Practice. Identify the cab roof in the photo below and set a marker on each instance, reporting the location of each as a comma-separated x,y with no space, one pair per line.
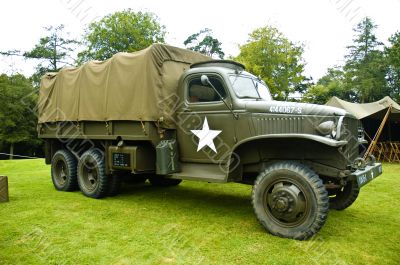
220,63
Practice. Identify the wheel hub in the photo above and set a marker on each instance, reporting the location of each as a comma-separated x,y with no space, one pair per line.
60,175
281,204
90,177
286,202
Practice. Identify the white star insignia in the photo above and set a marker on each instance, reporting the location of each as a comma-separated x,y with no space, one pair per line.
206,136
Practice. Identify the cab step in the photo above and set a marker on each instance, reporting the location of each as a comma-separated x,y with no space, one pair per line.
201,172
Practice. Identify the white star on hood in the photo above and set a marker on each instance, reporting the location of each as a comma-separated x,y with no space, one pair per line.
206,136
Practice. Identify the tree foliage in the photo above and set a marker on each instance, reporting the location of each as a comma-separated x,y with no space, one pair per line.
53,52
205,43
123,31
365,65
393,59
332,84
368,74
276,59
54,49
17,111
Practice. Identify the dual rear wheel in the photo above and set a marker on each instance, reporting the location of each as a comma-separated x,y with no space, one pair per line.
88,173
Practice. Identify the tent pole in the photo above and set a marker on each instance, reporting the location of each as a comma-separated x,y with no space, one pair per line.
377,134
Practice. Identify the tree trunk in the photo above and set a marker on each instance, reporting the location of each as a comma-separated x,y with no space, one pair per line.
11,151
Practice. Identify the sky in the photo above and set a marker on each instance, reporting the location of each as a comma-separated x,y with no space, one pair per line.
323,26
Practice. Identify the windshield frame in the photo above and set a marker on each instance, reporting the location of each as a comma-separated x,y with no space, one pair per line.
256,83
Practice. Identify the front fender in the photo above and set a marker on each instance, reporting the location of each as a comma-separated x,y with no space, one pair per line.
236,154
317,138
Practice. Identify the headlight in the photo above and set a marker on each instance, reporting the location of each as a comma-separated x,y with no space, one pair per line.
327,128
340,128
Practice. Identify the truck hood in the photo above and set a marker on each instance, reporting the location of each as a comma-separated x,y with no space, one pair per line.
293,108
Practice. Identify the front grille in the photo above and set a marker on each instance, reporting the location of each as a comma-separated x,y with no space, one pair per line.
350,134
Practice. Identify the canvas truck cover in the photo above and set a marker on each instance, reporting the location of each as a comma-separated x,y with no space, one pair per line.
139,86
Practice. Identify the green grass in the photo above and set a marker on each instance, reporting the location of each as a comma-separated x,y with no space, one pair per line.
194,223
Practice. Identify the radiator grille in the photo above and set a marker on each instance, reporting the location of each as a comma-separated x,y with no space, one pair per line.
350,134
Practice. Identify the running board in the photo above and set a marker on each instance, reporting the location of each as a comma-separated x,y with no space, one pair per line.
200,172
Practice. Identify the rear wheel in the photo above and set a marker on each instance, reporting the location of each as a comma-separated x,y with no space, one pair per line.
92,179
290,200
63,171
345,196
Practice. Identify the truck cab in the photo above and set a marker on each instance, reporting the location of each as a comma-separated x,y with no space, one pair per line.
238,105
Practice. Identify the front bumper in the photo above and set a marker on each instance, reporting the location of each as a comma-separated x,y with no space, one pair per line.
370,172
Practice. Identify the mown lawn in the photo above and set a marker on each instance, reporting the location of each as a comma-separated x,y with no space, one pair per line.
194,223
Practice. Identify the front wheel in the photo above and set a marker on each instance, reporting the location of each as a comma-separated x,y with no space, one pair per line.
290,200
345,196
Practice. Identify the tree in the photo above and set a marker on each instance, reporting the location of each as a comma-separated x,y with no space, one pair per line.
17,111
277,60
317,94
393,57
331,84
123,31
205,43
53,51
366,66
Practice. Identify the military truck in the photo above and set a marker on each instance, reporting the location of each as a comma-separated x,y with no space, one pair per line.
166,114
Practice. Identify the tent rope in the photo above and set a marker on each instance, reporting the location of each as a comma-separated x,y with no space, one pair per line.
22,156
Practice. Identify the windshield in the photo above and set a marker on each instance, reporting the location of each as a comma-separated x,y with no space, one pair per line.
247,87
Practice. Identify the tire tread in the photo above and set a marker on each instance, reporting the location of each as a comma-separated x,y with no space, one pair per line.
71,163
103,187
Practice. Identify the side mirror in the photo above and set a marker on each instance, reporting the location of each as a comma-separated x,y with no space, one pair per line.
204,80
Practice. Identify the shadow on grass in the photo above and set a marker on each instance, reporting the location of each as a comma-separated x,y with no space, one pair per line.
211,198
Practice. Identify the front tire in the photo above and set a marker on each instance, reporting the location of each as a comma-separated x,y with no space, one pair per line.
344,197
290,200
92,179
63,171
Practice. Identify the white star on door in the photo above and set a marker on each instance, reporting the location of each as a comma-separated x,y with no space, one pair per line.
206,136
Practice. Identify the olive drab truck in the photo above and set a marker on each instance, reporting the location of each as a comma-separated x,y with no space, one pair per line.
166,114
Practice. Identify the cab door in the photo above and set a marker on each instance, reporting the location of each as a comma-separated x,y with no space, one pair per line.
205,127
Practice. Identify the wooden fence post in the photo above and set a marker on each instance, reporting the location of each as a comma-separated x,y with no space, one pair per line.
3,189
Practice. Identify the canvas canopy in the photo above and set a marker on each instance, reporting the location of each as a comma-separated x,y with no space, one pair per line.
375,109
139,86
